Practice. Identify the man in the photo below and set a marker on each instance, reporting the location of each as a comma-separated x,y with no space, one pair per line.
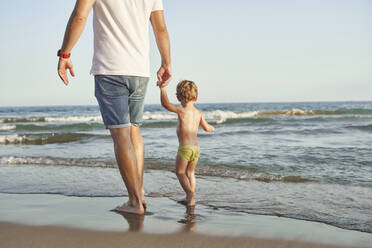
121,70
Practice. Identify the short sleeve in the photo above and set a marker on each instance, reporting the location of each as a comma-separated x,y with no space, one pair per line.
157,5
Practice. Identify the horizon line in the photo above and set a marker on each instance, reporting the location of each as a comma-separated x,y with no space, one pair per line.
64,105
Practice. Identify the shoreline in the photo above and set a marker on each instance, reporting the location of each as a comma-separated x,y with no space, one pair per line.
37,215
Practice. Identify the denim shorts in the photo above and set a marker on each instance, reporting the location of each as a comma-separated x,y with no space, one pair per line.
120,99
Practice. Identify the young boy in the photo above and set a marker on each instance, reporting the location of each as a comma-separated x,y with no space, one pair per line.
189,119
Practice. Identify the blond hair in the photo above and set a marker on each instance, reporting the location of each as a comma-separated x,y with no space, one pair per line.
187,91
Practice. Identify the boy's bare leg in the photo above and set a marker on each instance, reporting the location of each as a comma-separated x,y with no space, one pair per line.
190,172
127,164
181,166
139,149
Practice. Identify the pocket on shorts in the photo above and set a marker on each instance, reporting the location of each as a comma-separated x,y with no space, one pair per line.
110,85
139,88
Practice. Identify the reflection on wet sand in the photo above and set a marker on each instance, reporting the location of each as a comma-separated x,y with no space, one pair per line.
135,221
189,220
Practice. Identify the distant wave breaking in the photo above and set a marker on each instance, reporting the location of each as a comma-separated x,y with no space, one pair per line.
45,138
219,116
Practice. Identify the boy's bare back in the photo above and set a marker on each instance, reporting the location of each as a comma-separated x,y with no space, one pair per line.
189,119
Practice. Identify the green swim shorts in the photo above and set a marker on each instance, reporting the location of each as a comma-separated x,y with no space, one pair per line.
189,153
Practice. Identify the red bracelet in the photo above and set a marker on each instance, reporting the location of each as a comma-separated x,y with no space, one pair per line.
63,55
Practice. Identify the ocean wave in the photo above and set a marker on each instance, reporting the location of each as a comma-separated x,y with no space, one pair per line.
215,116
52,119
159,115
220,116
159,124
21,119
239,173
52,161
336,118
56,127
361,127
44,138
96,118
7,127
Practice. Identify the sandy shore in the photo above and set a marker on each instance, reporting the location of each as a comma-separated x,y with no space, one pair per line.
33,220
16,235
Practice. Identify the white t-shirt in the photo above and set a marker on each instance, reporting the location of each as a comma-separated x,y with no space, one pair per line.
121,36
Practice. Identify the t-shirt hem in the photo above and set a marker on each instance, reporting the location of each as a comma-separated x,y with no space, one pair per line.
138,74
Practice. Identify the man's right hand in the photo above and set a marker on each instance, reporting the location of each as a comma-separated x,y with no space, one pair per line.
63,66
164,76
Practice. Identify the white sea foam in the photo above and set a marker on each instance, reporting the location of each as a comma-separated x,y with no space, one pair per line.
159,116
9,127
217,116
12,139
220,116
74,119
291,112
11,160
362,116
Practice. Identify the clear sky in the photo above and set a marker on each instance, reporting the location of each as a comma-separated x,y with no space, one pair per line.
236,51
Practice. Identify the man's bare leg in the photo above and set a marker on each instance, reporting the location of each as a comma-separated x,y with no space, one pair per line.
127,164
139,149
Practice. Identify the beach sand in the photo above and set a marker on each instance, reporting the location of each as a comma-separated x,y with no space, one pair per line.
15,235
33,220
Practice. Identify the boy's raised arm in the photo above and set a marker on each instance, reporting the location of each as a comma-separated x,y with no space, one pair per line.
205,125
165,102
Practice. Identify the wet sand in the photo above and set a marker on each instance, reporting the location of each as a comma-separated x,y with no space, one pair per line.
34,220
16,235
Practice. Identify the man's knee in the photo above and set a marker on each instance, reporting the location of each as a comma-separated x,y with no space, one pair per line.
136,136
135,130
120,135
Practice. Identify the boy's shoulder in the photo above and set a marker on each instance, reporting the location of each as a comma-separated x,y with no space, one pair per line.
193,110
198,112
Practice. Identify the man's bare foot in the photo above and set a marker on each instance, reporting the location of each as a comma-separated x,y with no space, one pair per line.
144,204
129,208
190,199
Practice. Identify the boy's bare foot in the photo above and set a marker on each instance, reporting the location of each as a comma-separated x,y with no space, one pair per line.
182,201
190,199
129,208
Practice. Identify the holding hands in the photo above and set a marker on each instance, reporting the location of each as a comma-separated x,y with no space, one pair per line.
164,76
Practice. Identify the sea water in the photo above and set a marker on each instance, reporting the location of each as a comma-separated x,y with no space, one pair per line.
310,160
